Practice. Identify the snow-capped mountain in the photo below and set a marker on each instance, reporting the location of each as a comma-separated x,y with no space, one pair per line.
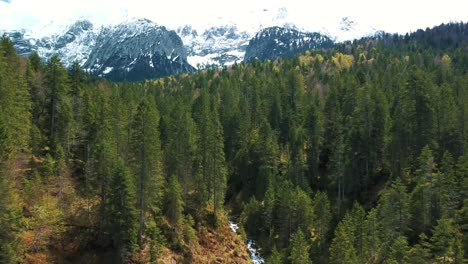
133,50
349,29
215,46
75,43
275,42
137,49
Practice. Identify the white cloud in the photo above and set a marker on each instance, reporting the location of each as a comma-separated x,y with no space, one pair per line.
393,16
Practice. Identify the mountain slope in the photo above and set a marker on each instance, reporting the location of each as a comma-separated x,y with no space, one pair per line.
216,46
137,50
275,42
130,51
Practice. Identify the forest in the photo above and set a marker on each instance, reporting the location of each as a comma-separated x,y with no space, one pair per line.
353,154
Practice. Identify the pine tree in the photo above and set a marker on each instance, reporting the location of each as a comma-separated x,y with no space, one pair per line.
442,239
145,160
422,197
77,134
342,247
322,218
267,151
420,253
446,190
413,120
313,124
269,203
59,106
445,114
294,211
217,159
174,203
275,257
367,139
398,251
299,249
123,214
10,212
15,101
371,240
179,151
211,151
394,211
358,217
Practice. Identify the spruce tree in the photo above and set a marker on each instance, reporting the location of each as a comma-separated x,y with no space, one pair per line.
422,197
322,219
59,106
123,214
174,203
394,211
342,247
299,249
398,251
145,161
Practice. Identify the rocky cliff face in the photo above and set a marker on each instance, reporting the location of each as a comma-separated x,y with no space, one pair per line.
275,42
131,51
137,50
214,47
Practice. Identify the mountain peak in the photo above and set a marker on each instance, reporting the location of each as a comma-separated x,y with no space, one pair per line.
347,24
274,42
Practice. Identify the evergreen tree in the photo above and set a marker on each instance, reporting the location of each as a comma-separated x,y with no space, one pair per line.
413,120
180,147
59,106
123,212
299,249
294,211
394,211
371,240
77,79
445,113
218,162
267,151
322,218
446,189
342,247
174,203
313,125
420,253
211,151
145,160
422,197
398,251
443,239
368,139
275,257
15,101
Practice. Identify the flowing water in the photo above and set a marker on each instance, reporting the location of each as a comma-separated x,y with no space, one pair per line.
251,246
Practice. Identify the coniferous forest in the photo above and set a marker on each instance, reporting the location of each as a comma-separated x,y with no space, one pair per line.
354,154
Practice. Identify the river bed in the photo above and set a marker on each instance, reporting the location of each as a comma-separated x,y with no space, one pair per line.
251,246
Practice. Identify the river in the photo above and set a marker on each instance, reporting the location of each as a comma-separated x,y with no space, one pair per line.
251,246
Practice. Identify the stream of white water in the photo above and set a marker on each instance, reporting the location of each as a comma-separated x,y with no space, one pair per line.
251,246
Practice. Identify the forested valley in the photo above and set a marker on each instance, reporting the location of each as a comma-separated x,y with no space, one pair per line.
354,154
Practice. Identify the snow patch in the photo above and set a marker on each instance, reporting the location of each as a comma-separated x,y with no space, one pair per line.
107,70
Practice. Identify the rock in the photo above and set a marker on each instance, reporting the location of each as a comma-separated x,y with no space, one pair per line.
275,42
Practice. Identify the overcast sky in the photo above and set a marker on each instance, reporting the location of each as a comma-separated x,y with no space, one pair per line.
392,16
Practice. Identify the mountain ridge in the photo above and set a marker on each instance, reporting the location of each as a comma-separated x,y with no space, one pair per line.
275,42
138,49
